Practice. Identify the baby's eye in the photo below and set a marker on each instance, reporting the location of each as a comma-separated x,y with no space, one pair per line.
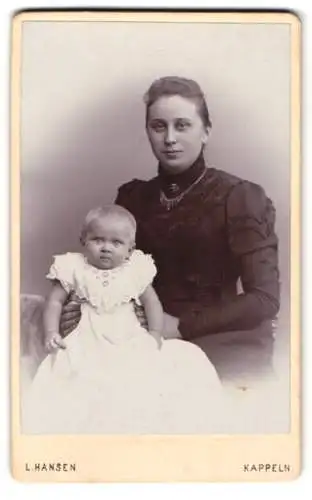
117,243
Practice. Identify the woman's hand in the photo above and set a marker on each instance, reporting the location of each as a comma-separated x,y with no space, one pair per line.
171,327
70,317
54,341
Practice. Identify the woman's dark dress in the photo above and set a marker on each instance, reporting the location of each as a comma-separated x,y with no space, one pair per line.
222,230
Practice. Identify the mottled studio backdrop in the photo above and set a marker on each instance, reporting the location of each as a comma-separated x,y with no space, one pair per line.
83,119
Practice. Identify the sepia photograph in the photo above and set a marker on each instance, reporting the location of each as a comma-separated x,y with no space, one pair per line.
155,190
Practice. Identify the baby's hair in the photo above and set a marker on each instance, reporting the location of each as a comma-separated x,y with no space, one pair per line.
107,211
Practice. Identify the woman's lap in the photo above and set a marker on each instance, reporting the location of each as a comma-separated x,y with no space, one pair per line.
240,356
187,365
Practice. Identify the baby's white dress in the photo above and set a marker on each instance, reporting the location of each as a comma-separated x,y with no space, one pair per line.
112,377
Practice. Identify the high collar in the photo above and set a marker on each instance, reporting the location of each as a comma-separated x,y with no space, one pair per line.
174,184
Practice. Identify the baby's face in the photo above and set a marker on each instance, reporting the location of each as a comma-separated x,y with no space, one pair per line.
109,242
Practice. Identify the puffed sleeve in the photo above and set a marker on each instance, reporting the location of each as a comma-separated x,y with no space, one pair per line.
252,239
250,220
143,271
62,270
132,196
127,195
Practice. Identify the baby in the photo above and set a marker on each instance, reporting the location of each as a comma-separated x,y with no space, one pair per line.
108,242
111,375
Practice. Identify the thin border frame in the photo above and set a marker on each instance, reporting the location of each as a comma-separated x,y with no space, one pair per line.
156,458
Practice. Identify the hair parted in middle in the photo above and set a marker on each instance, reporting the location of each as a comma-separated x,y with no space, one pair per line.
184,87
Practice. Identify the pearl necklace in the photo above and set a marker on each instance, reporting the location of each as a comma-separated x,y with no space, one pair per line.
170,203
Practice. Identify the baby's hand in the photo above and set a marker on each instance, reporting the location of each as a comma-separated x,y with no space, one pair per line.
157,336
54,341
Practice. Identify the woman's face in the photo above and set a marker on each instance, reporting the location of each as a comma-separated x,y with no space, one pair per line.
176,132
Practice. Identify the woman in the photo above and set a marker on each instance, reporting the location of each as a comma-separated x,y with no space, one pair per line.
206,229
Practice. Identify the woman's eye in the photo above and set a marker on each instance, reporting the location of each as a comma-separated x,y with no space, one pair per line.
182,125
158,126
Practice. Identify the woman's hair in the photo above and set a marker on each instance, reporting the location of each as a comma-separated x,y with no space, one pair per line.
184,87
99,213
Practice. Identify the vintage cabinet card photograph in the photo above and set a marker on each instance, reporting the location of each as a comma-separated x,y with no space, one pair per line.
155,240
